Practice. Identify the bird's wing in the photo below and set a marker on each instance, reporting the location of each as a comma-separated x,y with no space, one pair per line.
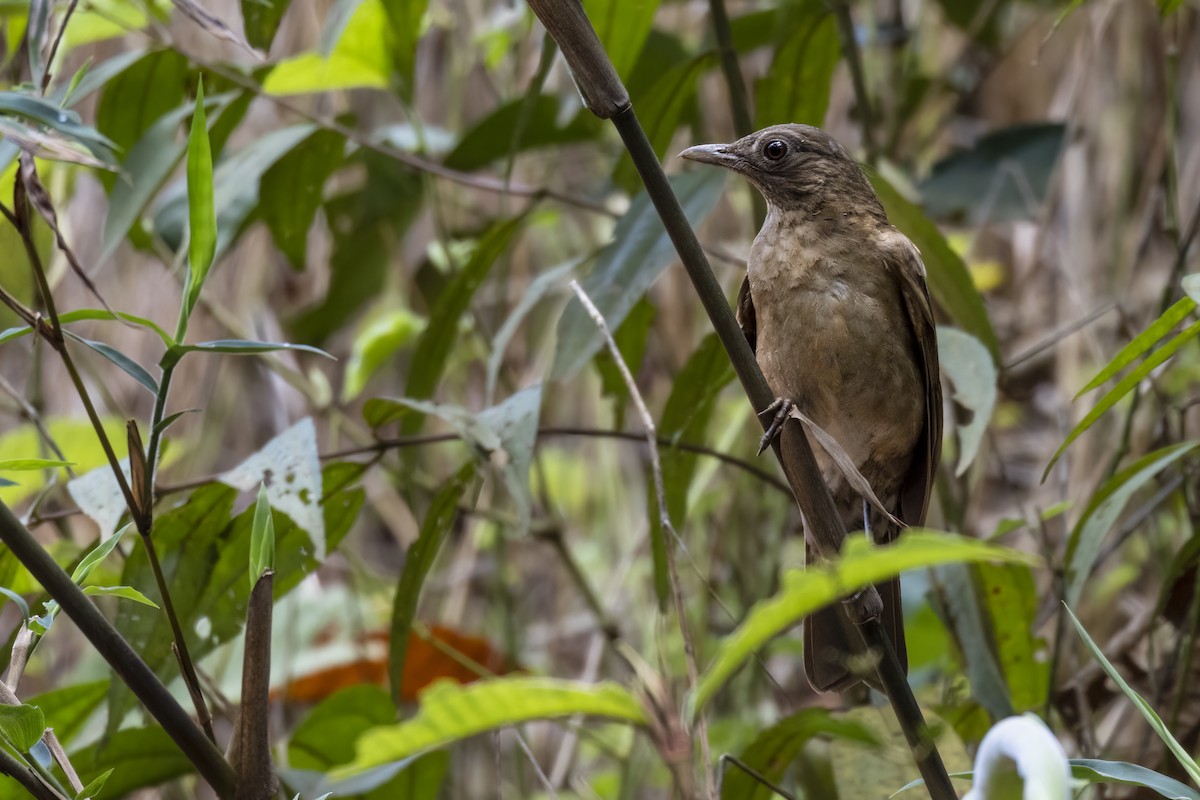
905,260
745,313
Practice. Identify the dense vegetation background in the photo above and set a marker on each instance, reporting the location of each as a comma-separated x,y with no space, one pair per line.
464,488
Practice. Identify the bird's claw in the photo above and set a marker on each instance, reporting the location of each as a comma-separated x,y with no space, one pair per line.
782,409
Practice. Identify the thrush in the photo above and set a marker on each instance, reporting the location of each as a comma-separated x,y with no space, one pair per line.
835,306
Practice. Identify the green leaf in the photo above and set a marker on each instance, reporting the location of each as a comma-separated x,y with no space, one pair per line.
631,338
99,75
374,344
262,538
968,365
22,726
126,592
18,600
1142,342
61,120
949,281
806,590
661,110
361,58
439,337
260,20
450,713
134,758
417,563
514,422
90,314
1105,507
774,750
69,708
325,737
491,138
97,554
202,215
291,190
244,347
127,364
1123,387
26,464
626,268
1010,596
960,603
405,18
622,26
1094,770
1003,177
796,87
138,96
1185,760
94,788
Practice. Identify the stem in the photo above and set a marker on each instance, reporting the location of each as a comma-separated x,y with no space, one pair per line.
866,118
27,777
120,656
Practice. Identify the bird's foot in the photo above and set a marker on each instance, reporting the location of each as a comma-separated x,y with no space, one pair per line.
782,409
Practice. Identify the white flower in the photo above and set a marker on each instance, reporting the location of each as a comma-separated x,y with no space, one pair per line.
1019,759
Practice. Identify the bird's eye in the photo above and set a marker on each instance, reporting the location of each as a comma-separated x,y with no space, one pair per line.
775,150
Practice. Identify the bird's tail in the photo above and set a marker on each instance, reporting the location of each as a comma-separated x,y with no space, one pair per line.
834,651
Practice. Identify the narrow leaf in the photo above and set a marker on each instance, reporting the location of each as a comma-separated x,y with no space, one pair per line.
246,347
1094,770
1185,760
262,538
1142,342
417,563
970,368
127,364
126,592
24,464
202,215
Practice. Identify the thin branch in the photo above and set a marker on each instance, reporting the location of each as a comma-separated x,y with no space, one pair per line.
866,117
62,28
28,778
664,519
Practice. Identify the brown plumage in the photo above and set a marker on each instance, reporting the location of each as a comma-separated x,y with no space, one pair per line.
835,306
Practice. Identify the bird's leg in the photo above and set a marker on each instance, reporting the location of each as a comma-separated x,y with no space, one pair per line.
782,408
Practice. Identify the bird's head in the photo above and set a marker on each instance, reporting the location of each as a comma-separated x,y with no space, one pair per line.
795,167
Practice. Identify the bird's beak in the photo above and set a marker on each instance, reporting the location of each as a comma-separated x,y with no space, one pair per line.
718,154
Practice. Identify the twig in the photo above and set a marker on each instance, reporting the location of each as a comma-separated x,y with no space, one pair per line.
664,519
866,118
62,28
27,777
537,768
120,656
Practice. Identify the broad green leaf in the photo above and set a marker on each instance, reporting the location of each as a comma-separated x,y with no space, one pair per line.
27,464
1185,759
631,338
126,592
136,757
1105,507
1094,770
439,337
491,138
262,538
204,554
622,26
807,590
949,281
260,21
515,423
68,709
796,86
22,726
874,771
127,364
202,214
970,368
1123,387
360,59
1142,342
660,112
417,563
138,96
1010,597
626,268
450,713
244,347
374,344
79,443
292,189
1002,177
774,750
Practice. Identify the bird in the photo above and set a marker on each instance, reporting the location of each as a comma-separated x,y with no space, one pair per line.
835,306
